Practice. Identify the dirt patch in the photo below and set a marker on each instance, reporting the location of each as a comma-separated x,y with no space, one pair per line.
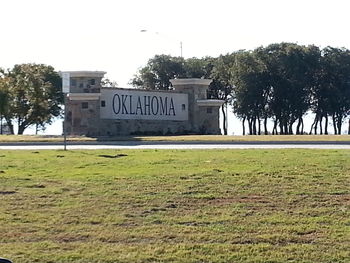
243,199
341,198
113,156
7,192
37,186
66,238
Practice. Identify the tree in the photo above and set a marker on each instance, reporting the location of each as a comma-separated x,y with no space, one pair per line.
274,81
198,67
3,101
321,94
251,91
222,86
290,68
107,83
157,73
336,82
34,96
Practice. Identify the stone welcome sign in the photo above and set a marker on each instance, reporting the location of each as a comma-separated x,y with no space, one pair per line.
93,110
128,104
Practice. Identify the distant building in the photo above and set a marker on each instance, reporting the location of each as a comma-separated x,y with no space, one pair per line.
93,110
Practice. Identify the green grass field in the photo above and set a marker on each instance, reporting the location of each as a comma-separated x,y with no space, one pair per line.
175,206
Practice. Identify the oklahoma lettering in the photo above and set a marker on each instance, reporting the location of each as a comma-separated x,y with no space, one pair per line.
143,105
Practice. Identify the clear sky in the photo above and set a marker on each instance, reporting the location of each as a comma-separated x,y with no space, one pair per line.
106,34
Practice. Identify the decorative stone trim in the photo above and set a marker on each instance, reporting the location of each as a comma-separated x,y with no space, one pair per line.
210,103
204,82
85,74
84,96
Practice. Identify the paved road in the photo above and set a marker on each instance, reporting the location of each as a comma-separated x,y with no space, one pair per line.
177,145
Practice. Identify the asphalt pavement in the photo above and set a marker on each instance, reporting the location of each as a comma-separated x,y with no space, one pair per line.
177,145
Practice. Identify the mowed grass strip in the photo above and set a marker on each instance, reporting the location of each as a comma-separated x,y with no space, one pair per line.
175,206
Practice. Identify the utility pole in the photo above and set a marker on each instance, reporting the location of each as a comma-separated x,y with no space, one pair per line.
181,48
64,122
65,89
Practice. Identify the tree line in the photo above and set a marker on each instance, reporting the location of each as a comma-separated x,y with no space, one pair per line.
281,83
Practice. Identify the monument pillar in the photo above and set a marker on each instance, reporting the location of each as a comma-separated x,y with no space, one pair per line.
203,112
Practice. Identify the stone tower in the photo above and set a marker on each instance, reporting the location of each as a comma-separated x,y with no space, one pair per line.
203,113
83,102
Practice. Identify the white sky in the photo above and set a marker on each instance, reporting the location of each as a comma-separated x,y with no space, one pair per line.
105,34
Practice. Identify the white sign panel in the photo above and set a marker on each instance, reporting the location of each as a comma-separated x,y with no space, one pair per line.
65,82
126,104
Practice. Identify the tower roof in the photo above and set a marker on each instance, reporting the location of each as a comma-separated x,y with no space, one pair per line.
84,73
